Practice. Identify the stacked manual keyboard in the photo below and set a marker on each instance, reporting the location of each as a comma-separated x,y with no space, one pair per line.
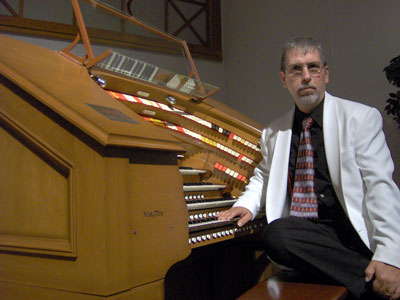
204,201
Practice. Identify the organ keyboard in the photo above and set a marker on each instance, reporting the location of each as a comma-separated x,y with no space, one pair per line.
204,201
211,203
195,187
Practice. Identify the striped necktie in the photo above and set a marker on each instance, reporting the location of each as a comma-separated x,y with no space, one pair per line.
304,200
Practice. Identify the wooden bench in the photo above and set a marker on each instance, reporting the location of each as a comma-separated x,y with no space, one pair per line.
286,287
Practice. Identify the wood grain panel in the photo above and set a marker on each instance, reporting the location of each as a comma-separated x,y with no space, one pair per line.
36,192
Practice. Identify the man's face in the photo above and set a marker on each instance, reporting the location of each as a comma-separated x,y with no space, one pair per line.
305,77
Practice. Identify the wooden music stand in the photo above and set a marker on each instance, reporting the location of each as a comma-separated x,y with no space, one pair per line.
89,59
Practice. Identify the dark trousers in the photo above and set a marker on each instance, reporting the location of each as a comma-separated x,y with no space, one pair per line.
320,248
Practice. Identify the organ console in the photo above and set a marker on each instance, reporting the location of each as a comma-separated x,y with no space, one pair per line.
111,174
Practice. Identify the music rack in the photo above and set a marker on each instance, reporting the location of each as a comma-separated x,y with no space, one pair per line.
185,85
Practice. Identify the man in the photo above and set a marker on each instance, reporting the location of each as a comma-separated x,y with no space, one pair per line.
332,207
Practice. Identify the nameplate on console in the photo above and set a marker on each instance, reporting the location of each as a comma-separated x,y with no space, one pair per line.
153,213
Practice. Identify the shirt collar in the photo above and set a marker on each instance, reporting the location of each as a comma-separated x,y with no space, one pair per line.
316,114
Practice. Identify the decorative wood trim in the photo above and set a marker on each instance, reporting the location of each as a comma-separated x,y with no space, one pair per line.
33,244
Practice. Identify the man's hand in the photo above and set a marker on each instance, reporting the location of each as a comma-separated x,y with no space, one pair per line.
387,279
243,213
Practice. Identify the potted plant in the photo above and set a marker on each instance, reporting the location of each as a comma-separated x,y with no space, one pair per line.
393,76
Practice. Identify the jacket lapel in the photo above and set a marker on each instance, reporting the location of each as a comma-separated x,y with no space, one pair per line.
332,143
277,183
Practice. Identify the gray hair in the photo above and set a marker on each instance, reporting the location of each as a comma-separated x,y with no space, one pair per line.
307,44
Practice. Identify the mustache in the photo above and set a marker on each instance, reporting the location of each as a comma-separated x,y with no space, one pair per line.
302,87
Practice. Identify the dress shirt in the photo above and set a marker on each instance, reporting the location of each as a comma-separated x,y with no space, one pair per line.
328,204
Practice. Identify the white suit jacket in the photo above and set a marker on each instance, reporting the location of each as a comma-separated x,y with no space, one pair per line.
360,166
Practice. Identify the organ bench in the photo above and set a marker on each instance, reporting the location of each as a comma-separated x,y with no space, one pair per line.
285,286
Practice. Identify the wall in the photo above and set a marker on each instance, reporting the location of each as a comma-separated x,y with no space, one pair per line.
360,38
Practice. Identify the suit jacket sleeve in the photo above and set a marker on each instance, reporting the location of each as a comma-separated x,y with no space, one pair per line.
382,196
253,197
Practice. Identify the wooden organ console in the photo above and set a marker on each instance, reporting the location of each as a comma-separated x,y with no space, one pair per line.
111,174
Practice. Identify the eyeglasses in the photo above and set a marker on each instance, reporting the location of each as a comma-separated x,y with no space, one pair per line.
314,69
